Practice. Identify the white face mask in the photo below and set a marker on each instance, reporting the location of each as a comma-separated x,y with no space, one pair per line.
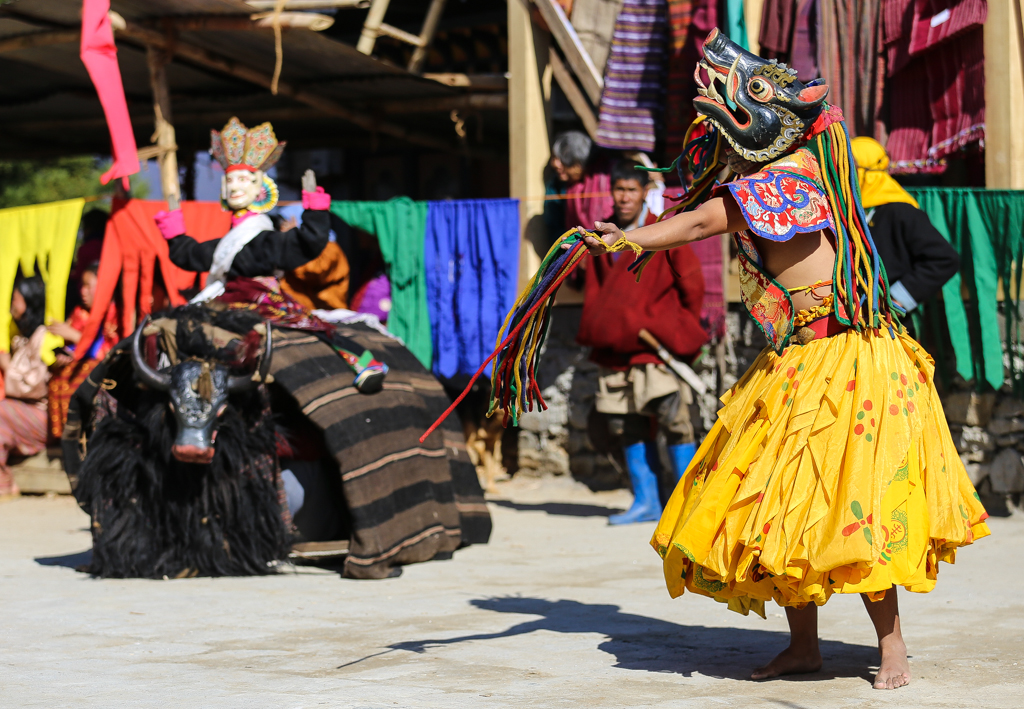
241,188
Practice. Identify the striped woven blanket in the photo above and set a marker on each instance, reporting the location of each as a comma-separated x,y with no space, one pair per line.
408,501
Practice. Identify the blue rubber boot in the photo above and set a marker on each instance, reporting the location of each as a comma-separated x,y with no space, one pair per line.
646,505
681,456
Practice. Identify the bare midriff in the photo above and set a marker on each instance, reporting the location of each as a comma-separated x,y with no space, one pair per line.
804,260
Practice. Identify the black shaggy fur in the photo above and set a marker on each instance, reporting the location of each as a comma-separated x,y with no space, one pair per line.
154,516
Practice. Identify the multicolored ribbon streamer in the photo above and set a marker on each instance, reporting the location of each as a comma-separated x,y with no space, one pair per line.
514,388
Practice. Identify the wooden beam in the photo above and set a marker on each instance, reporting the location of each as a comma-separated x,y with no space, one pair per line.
239,70
480,82
426,35
401,35
163,135
371,27
528,117
203,118
572,92
38,39
260,21
569,42
477,102
309,4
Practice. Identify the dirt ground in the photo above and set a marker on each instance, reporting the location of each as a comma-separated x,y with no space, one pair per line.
560,610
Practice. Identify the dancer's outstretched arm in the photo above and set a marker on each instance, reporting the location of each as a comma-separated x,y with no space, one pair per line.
719,215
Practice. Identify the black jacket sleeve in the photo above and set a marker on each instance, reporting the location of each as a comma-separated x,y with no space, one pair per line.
933,260
269,251
191,255
913,251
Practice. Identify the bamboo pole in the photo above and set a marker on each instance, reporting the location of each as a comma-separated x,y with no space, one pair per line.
371,27
163,134
426,35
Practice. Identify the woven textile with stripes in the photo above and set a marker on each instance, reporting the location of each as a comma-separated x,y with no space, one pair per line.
408,501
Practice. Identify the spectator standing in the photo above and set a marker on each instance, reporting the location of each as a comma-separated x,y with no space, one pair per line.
917,260
585,177
636,390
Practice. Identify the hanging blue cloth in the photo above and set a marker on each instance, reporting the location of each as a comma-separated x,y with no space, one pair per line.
471,254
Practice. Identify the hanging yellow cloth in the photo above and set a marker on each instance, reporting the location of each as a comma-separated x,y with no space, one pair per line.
876,185
42,236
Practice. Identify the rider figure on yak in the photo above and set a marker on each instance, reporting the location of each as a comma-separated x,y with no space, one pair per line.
226,430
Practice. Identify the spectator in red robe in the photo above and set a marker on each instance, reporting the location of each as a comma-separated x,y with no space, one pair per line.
67,374
636,388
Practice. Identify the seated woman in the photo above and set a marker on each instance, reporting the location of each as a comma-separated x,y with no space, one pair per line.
67,374
23,408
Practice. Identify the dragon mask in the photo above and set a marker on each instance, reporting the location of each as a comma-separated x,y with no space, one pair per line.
758,104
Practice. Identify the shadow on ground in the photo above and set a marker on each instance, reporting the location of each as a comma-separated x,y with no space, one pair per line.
70,561
565,509
651,645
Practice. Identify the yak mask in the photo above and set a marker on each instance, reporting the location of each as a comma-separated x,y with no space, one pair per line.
758,104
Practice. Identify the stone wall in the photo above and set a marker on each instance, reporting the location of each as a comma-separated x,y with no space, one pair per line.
988,431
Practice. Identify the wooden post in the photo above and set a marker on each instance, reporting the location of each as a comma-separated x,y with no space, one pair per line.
163,135
371,27
752,11
581,63
528,117
1004,96
419,55
572,92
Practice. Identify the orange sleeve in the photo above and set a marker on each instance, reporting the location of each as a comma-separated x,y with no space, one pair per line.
323,282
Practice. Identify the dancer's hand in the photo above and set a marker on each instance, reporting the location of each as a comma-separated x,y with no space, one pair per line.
170,223
607,233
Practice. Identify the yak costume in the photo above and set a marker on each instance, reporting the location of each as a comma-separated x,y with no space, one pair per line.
253,248
831,468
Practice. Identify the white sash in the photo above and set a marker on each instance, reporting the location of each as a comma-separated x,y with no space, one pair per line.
224,255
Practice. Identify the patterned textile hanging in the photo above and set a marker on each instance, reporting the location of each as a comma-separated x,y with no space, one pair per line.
634,84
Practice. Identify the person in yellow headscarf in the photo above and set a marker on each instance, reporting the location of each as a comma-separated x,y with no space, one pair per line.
918,261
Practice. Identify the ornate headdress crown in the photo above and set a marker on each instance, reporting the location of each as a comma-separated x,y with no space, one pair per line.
239,148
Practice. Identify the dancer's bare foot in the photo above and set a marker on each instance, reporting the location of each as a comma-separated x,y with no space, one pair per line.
791,661
802,655
894,671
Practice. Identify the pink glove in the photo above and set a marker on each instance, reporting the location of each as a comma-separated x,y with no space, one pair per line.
170,224
316,200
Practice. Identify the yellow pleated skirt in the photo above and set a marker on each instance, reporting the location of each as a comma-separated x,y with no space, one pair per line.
830,470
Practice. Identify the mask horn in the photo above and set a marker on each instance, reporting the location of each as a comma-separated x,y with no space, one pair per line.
160,381
812,95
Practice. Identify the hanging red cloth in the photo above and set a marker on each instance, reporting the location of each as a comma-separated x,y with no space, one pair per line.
100,58
133,248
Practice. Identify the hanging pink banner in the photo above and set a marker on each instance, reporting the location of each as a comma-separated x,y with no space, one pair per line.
100,58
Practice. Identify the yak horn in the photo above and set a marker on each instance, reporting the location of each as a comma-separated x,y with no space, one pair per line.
237,384
159,381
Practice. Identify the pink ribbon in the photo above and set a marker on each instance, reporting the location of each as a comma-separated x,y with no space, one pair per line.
100,58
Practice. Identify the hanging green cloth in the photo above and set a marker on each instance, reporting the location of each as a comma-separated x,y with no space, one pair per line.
735,23
399,225
987,228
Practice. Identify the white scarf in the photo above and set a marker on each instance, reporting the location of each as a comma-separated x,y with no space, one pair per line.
224,255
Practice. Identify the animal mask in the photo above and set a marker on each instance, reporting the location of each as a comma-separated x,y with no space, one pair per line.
758,104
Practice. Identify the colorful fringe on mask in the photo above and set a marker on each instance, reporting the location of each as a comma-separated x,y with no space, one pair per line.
514,388
703,156
859,277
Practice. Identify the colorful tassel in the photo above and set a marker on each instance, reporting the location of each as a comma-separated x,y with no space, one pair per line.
861,285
